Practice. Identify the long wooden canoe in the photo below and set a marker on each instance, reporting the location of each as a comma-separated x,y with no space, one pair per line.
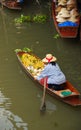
10,5
68,30
69,95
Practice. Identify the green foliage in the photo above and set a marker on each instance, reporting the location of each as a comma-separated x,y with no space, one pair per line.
25,18
56,36
18,50
40,18
22,19
24,49
37,18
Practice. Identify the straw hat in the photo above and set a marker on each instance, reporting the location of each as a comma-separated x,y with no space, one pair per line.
58,16
62,0
74,12
58,9
61,20
63,10
62,3
64,13
71,2
73,19
49,58
71,6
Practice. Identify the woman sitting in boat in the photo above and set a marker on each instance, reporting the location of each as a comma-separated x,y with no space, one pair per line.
55,77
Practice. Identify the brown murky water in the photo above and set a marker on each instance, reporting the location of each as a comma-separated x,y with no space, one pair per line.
20,97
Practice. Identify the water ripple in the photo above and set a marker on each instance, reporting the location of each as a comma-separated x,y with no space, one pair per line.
8,120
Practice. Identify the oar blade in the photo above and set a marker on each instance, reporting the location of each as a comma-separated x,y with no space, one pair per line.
43,107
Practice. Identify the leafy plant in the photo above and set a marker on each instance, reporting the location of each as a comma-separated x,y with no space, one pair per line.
37,18
25,49
18,50
40,18
26,18
56,36
22,19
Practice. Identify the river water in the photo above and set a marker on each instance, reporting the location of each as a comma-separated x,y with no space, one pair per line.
20,97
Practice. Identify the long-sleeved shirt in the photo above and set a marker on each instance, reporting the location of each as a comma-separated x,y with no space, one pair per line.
54,74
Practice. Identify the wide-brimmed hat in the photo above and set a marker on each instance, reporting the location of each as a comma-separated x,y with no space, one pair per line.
60,20
58,9
71,2
74,12
62,2
64,13
71,6
73,19
49,58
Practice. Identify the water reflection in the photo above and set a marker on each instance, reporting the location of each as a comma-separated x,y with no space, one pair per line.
8,120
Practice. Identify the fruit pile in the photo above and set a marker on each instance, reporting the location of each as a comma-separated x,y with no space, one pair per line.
32,63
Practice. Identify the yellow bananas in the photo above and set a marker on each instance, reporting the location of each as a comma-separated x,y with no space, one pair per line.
34,64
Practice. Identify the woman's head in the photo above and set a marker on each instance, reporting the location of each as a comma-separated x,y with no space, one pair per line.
49,58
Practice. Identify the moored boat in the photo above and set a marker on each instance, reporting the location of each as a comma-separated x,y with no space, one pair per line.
66,17
33,66
10,4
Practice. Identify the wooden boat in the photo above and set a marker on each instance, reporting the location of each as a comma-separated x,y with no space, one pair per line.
70,28
10,5
71,96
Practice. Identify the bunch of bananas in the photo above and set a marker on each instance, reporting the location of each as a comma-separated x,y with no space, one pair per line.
30,60
25,60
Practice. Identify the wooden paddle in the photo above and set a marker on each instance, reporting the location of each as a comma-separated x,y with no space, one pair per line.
43,104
